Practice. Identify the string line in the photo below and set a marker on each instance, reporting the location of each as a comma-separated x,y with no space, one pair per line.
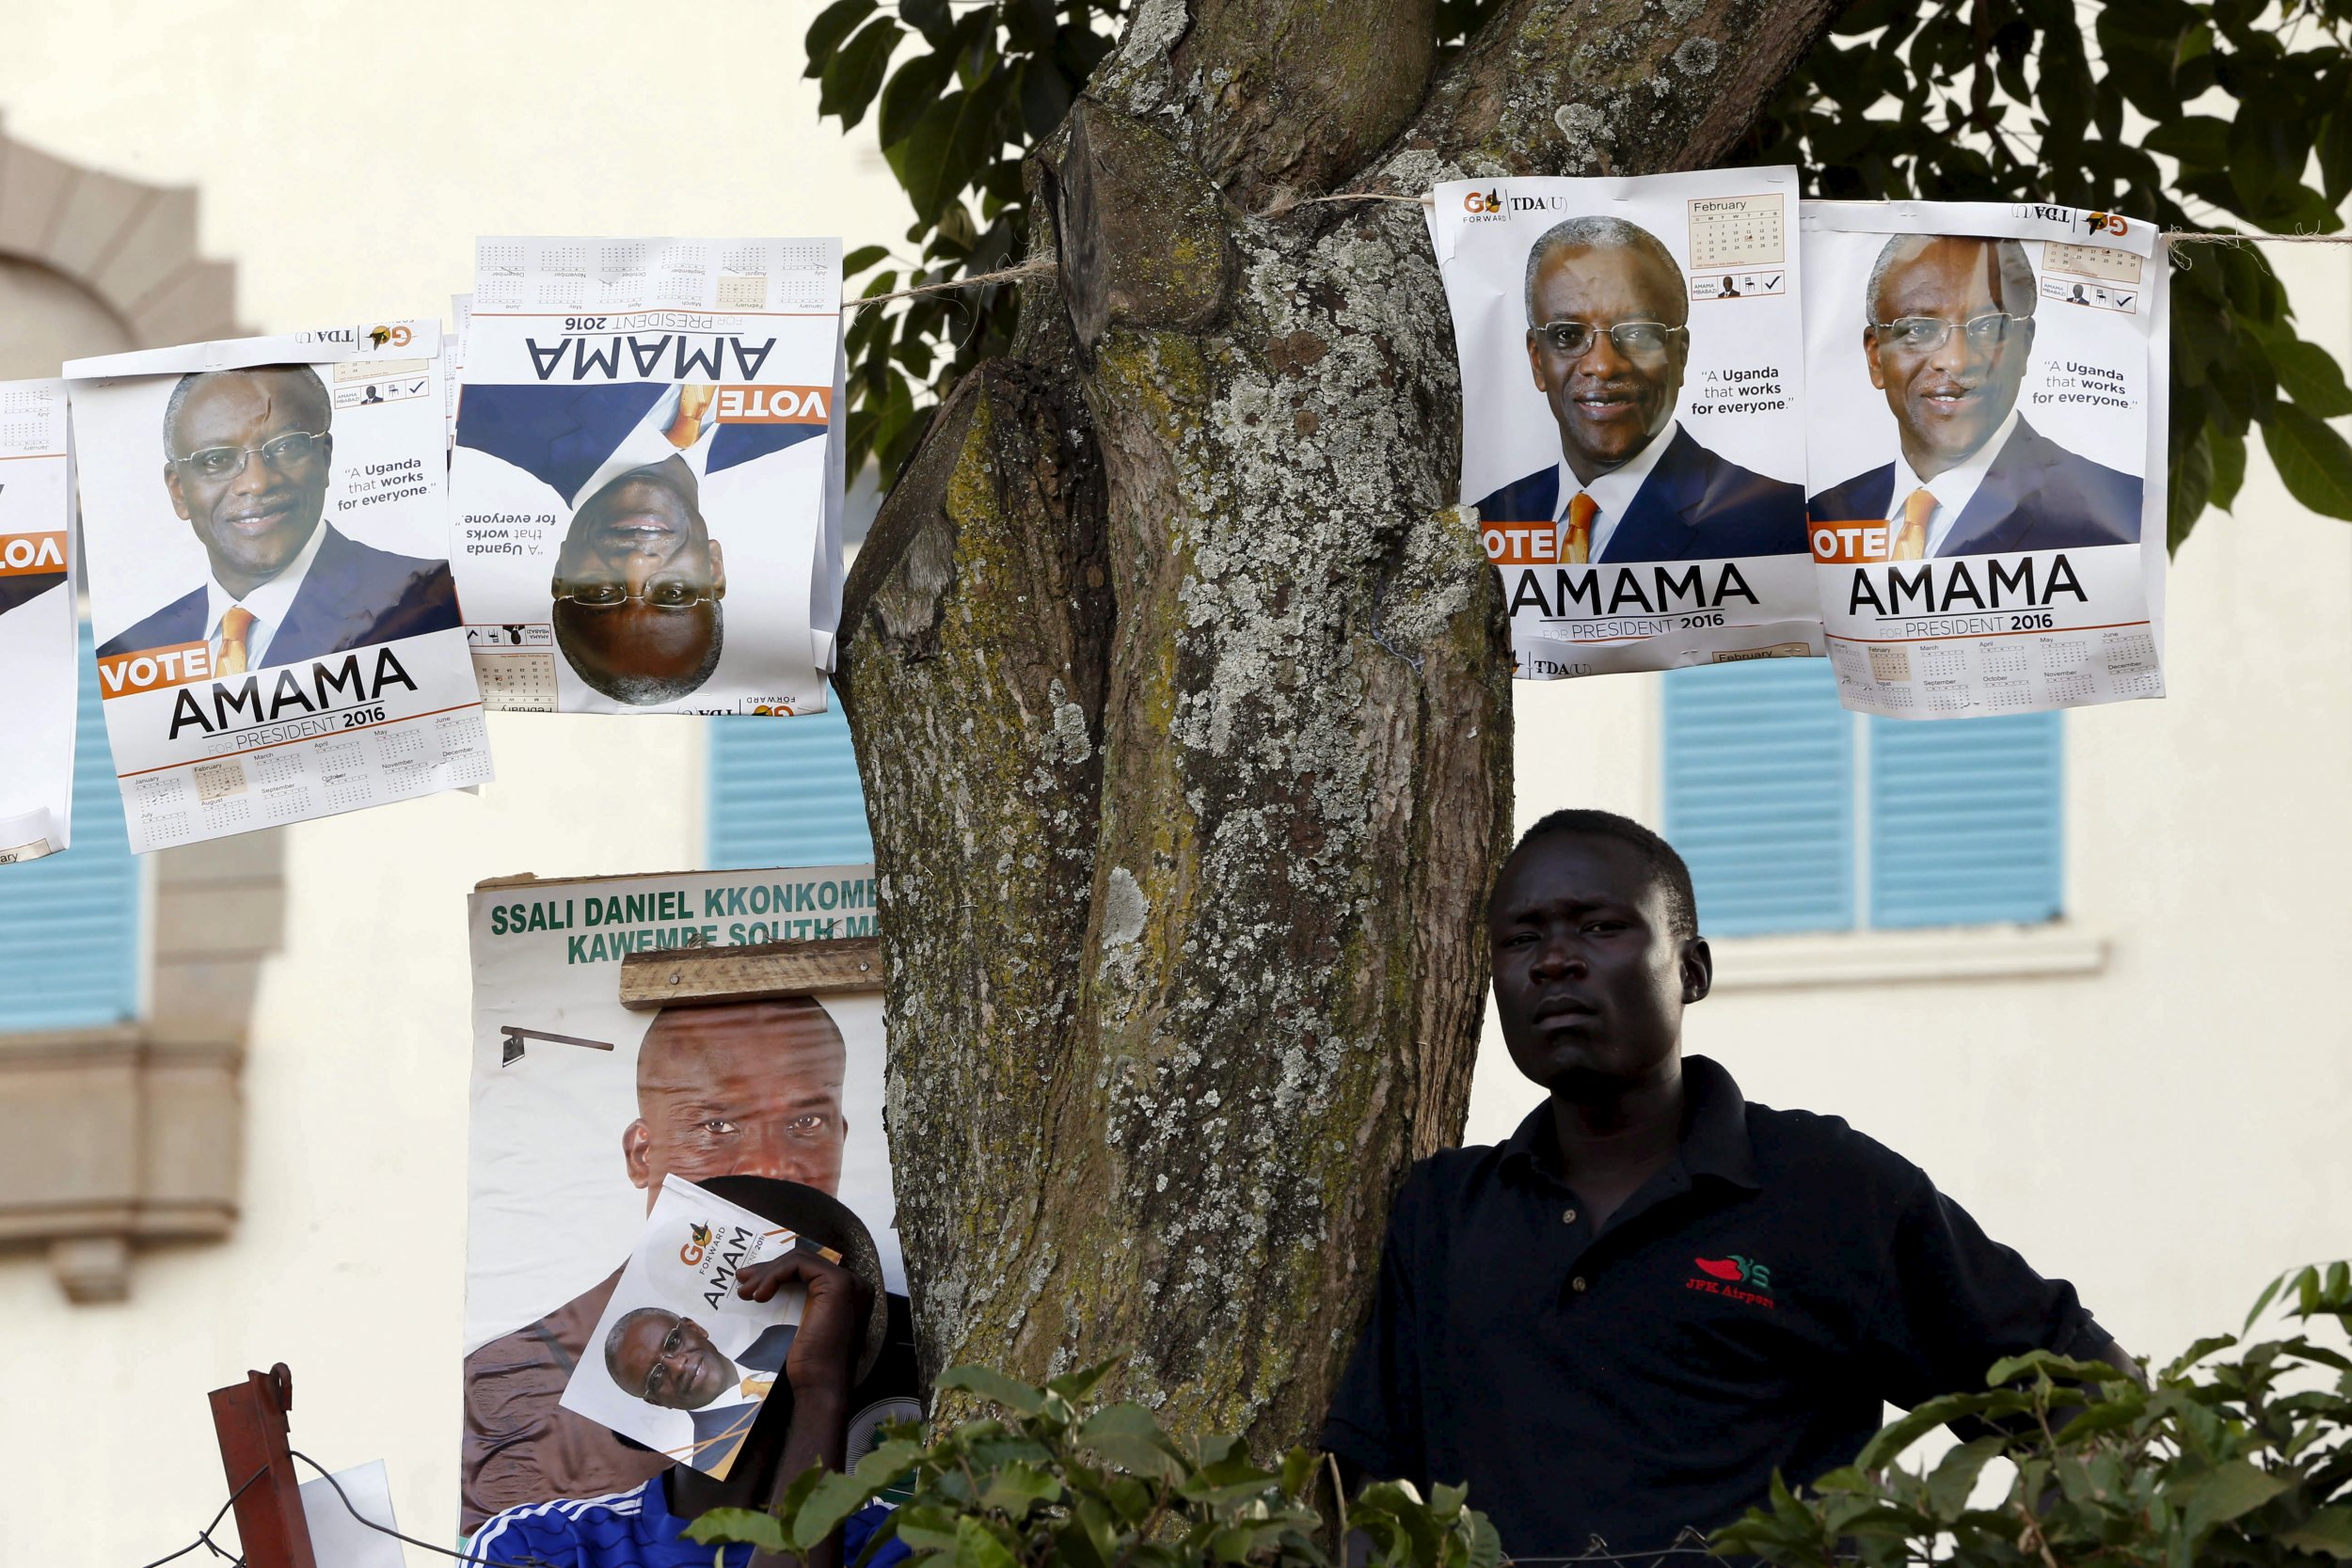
533,1561
204,1536
1047,269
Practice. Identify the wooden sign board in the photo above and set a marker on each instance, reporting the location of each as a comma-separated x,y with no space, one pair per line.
670,977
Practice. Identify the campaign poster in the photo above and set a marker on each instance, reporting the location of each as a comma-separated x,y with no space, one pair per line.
581,1107
38,688
267,537
1633,414
647,483
1986,455
678,1360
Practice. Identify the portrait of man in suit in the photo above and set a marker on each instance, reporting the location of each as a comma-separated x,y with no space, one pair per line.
1949,333
638,588
738,1088
247,455
669,1360
1608,339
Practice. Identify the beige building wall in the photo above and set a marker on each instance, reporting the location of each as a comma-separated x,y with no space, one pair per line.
2152,1098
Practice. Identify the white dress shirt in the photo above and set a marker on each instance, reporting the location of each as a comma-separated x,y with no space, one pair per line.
1612,492
269,603
1953,489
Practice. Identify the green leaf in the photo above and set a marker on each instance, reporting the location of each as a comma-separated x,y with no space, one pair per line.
862,257
995,1386
2227,1491
2311,460
2328,1531
832,1500
915,87
854,76
1897,1436
2229,468
2270,1293
832,25
1128,1436
761,1528
1953,1480
2199,139
1017,1488
1078,1386
2189,486
976,1547
2308,375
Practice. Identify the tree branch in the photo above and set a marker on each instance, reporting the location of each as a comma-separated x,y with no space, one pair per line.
1607,87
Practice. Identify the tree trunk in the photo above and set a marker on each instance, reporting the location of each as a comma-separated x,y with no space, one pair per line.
1181,691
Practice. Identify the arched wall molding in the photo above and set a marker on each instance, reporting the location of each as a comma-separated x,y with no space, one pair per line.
117,1137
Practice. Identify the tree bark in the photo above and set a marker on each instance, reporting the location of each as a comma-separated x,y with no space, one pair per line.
1181,689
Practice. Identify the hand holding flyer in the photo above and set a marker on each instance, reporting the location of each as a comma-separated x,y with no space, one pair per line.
37,640
679,1361
1989,413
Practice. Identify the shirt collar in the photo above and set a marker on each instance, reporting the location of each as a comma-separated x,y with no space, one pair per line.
269,602
1613,491
1954,488
1714,1129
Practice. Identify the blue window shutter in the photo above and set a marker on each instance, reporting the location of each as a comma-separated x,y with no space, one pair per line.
1759,794
1966,820
785,792
69,922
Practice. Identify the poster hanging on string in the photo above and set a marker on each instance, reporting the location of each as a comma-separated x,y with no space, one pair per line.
1986,449
647,484
266,541
37,652
1633,413
581,1107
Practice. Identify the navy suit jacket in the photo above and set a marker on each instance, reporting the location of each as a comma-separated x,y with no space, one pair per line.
2036,496
1694,506
355,595
563,435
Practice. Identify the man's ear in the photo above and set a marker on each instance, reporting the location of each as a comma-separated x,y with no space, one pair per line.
1535,361
1870,356
717,570
1698,971
635,1140
171,488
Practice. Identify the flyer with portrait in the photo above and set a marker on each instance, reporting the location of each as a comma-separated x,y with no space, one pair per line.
678,1360
1633,413
36,621
580,1107
1987,489
647,484
268,543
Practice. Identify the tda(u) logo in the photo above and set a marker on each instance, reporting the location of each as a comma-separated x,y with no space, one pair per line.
1741,1278
1483,201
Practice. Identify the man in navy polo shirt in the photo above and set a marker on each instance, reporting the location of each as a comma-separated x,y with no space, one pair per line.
1623,1320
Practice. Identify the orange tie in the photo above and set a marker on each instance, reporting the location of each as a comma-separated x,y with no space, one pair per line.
1911,542
234,626
1582,509
687,428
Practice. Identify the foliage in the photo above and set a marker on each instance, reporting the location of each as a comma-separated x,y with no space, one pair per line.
2237,1461
2248,104
2200,114
1105,1488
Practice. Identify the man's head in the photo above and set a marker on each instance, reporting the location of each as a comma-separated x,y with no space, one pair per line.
1612,384
638,585
742,1088
1948,334
1596,952
666,1361
246,455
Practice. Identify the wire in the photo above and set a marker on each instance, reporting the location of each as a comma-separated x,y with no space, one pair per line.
204,1536
531,1562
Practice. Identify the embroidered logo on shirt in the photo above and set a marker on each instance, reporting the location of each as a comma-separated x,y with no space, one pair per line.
1726,1274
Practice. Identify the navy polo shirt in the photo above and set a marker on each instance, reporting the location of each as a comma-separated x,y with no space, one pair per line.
1746,1311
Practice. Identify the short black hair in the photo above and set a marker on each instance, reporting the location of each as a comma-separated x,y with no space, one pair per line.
1667,871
